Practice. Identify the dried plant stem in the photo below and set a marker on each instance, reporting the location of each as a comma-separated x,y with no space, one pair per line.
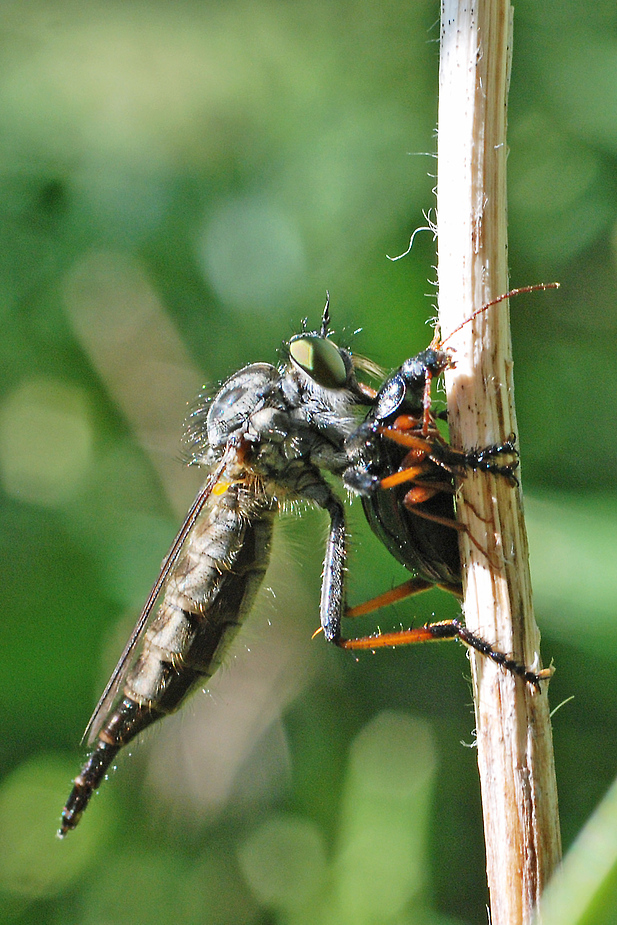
514,739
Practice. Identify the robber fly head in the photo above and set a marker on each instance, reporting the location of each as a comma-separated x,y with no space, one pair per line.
317,363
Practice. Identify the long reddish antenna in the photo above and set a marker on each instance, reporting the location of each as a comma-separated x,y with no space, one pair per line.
539,287
436,344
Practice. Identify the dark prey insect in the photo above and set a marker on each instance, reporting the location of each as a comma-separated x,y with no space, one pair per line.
267,437
405,473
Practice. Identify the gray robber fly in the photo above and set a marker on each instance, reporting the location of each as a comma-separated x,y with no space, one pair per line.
266,438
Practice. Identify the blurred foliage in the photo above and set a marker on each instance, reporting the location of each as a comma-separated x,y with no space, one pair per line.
180,184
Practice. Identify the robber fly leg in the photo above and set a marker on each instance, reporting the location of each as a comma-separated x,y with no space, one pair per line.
332,604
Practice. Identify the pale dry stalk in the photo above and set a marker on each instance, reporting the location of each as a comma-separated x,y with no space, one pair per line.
514,740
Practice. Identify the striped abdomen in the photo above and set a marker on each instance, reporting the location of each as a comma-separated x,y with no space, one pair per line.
207,596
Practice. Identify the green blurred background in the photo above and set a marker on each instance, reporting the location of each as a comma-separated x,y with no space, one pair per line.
180,184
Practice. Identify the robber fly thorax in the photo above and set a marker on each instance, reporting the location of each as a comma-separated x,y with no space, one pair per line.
265,438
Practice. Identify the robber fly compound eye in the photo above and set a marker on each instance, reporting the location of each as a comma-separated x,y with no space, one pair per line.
320,359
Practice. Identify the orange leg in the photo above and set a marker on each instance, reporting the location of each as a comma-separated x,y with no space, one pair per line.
423,492
457,460
446,521
448,629
405,439
427,416
407,422
410,474
413,586
451,459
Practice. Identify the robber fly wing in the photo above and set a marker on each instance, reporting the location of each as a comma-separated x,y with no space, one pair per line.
117,677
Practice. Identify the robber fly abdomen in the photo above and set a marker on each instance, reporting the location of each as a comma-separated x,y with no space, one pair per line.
207,597
205,603
206,600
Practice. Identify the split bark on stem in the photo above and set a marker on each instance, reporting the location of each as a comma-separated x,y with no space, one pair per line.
514,740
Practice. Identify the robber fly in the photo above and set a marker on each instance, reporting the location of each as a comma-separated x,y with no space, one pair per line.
265,438
406,473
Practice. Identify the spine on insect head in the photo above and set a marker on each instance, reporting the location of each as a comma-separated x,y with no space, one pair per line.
205,602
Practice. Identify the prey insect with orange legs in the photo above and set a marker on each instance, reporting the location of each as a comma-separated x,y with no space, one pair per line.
406,474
